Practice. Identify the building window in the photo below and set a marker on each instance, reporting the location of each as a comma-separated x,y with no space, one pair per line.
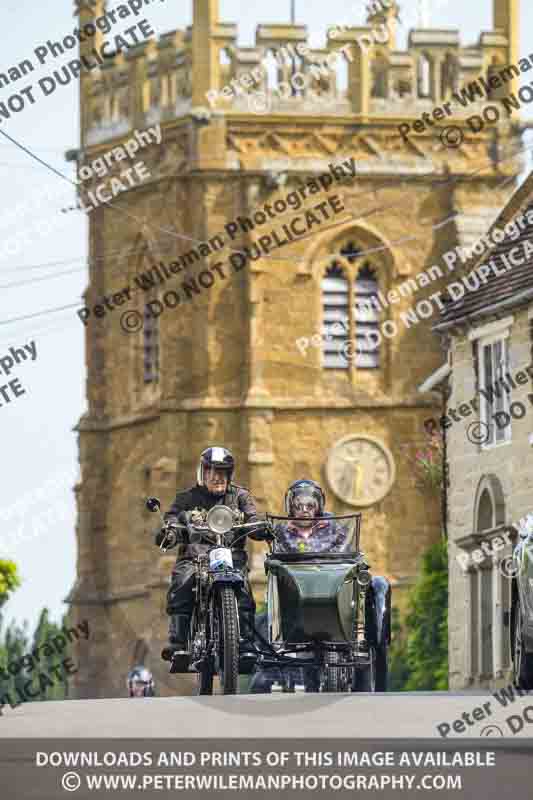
350,312
485,512
366,319
335,315
493,391
151,347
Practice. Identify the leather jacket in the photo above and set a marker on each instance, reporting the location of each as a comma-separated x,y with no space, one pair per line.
236,497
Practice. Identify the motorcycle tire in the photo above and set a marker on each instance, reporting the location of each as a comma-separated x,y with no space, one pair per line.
228,645
364,679
382,669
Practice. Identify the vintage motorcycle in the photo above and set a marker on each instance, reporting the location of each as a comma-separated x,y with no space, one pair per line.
214,630
326,613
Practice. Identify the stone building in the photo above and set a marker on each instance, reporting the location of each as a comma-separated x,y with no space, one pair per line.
489,338
217,359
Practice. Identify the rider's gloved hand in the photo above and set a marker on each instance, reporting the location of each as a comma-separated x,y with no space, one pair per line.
263,535
168,534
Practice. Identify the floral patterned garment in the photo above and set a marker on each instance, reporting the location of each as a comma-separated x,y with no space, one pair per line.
325,536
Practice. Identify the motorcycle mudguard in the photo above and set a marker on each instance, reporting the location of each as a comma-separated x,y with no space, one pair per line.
379,611
233,578
313,602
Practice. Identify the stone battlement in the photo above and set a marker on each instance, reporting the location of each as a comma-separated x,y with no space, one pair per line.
155,82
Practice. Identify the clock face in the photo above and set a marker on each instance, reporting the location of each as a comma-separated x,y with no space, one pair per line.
360,470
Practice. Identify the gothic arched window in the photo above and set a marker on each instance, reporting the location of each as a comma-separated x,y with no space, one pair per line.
350,312
150,346
485,512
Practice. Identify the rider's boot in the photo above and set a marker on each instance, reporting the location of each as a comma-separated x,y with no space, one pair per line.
247,650
177,650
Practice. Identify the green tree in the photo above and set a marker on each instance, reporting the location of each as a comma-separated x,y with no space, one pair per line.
427,623
16,646
9,580
418,656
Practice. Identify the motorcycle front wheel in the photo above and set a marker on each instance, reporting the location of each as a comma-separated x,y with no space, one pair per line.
227,640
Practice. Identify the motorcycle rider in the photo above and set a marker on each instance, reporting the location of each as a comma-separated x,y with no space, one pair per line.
140,682
304,501
214,487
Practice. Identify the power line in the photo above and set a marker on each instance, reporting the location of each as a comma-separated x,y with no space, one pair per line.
197,241
44,278
378,209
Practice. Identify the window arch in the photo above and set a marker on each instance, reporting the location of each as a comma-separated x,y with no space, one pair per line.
489,506
350,312
485,512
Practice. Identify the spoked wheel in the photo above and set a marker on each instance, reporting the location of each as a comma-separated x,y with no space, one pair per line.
365,677
522,660
227,640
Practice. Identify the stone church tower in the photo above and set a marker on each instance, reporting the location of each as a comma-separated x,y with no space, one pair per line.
248,355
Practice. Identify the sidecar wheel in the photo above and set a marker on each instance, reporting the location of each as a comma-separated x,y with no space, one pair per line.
365,678
382,669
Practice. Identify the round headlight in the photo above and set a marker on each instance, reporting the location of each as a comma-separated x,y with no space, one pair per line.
220,519
363,577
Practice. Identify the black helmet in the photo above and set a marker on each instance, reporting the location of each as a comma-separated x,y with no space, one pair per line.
304,487
141,675
218,457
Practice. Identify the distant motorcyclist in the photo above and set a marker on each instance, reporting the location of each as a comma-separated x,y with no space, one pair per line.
305,501
214,487
140,682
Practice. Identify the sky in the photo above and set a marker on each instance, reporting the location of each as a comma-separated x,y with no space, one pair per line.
43,251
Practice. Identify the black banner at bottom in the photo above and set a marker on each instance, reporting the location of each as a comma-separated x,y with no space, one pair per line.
46,769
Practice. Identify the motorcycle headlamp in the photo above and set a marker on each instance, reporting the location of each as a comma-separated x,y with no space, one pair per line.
220,519
363,578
